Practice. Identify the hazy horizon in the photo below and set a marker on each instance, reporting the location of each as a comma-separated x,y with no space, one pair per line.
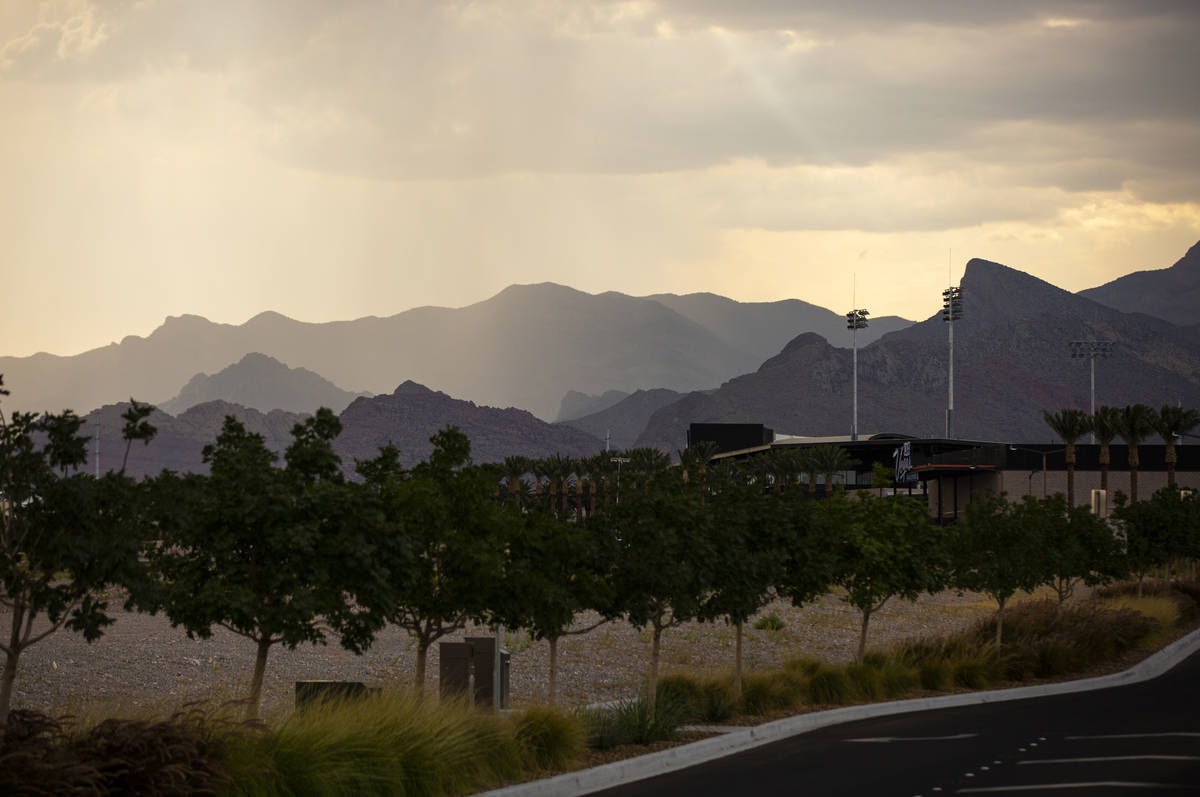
335,161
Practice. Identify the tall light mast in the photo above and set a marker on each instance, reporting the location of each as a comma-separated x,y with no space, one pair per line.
855,320
951,312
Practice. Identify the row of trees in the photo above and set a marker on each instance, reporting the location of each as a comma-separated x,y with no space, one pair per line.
294,551
1134,424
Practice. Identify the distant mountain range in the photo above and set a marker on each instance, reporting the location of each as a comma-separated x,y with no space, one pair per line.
407,418
1169,293
640,369
525,347
621,424
262,383
1011,361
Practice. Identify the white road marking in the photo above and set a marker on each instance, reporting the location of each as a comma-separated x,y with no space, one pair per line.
1136,735
885,739
1102,759
1121,784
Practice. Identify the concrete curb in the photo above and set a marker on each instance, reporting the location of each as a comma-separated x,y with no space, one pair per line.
647,766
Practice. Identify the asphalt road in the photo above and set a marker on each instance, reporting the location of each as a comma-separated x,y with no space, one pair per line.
1139,740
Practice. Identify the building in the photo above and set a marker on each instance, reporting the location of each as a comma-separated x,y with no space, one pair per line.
947,473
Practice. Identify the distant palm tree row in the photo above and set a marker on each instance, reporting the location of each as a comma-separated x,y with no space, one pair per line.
1132,423
568,486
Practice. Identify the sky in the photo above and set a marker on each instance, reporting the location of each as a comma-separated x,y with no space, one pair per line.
335,160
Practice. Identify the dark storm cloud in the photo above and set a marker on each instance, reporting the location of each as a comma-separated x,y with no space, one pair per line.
404,90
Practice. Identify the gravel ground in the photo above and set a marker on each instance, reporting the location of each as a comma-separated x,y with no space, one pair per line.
143,664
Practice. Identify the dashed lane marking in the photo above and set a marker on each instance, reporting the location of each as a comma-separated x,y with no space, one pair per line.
1103,759
1100,784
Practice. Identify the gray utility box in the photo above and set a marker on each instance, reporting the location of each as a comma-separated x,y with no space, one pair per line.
458,661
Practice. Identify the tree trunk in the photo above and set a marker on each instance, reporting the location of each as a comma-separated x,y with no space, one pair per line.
553,692
1070,475
862,637
256,681
652,677
1141,576
737,661
1000,622
1171,459
7,679
419,677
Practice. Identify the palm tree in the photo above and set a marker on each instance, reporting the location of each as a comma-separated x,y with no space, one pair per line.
694,460
559,469
1104,427
514,469
1171,424
831,460
644,463
807,462
1135,422
1070,425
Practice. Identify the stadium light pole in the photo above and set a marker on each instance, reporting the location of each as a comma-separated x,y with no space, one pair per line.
951,312
855,320
1091,349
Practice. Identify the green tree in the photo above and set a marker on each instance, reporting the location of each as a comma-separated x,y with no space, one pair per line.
666,550
1171,423
136,427
554,571
1078,548
1154,531
62,537
807,461
997,549
1104,427
884,548
747,528
831,460
1135,422
1069,425
445,540
271,554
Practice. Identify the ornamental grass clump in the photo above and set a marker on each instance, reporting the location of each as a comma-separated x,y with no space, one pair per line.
632,722
549,738
391,744
769,692
829,687
48,756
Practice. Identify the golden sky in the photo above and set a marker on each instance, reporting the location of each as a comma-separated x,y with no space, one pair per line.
334,160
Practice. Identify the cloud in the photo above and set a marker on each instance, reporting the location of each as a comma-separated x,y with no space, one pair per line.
411,90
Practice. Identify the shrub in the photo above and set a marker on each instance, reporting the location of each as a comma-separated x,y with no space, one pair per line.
770,622
43,755
708,700
763,693
828,686
548,738
934,674
630,722
864,681
684,690
802,667
717,701
971,671
392,743
897,679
